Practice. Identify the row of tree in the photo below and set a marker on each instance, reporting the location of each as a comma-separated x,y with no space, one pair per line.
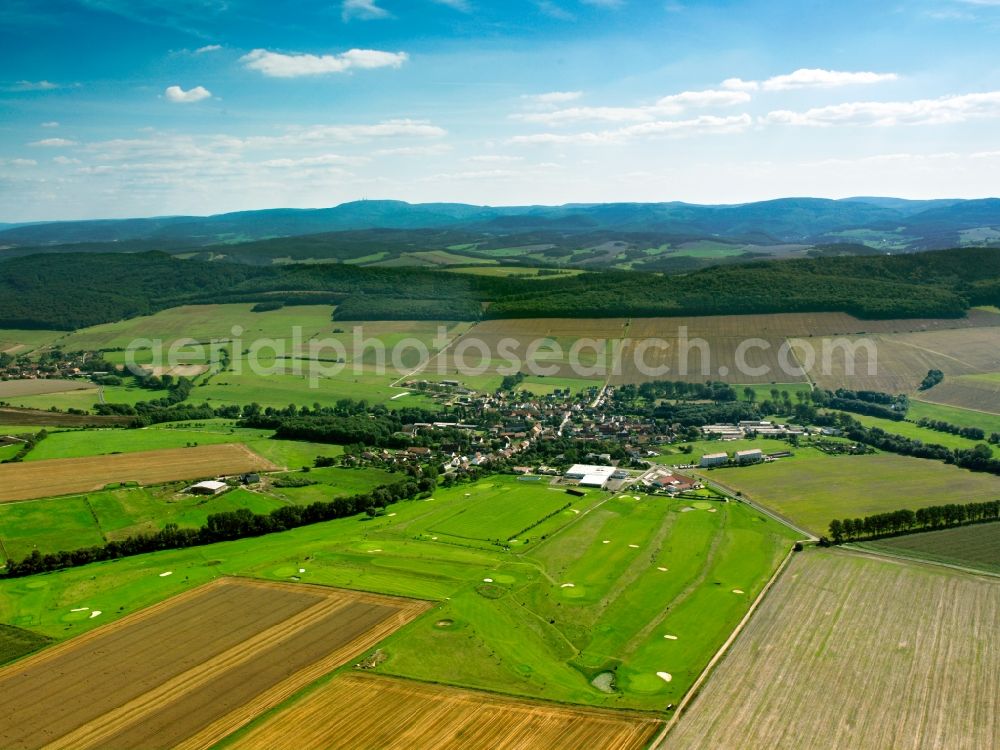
972,433
227,526
28,446
906,521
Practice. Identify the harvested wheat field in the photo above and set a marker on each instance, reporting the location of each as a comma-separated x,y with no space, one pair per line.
14,416
362,712
11,388
63,476
189,671
979,392
851,651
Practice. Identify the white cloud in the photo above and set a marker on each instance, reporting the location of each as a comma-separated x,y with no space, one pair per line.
279,65
19,162
179,96
65,160
366,10
703,125
494,159
434,150
820,78
323,160
666,106
738,84
50,124
552,97
33,86
208,48
53,143
461,5
944,110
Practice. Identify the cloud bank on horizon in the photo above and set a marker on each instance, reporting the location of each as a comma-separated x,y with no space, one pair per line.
151,107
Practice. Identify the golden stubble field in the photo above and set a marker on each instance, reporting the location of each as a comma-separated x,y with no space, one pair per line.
852,651
189,671
365,712
62,476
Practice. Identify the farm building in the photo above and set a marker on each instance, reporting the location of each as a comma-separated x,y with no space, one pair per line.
714,459
207,488
749,456
590,476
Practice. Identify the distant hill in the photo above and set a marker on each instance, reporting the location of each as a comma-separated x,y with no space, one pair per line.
628,236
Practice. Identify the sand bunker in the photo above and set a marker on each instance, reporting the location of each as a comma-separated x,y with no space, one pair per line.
302,570
80,609
606,541
713,510
167,573
568,586
636,497
662,570
686,510
634,546
391,515
374,550
95,613
665,676
487,580
574,510
738,591
670,637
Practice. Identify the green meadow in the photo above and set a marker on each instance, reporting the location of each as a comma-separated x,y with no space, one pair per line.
525,631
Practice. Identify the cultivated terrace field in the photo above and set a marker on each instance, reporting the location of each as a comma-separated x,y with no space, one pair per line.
853,651
353,712
38,479
192,669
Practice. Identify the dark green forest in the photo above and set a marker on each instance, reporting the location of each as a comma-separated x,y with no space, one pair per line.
69,291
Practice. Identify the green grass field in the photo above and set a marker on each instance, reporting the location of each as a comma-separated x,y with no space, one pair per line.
976,546
75,443
523,633
915,432
954,415
87,520
19,341
544,385
812,489
675,453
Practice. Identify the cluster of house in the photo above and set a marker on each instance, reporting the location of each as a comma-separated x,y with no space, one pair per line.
667,480
752,428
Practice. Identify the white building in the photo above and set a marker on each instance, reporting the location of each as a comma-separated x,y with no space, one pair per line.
750,456
207,488
590,476
714,459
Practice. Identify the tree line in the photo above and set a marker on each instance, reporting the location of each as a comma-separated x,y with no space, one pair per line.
226,526
906,521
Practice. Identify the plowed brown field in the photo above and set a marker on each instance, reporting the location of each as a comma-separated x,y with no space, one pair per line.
187,672
63,476
363,712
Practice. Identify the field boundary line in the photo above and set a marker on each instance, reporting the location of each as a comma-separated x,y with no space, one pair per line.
915,560
691,694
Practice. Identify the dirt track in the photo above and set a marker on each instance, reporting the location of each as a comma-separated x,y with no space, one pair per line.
187,672
63,476
365,712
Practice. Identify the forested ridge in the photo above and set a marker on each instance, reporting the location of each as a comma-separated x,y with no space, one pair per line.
69,291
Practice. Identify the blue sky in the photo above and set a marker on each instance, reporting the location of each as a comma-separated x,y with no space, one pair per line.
113,108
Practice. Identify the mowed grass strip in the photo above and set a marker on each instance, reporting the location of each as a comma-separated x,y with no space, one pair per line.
192,669
855,652
28,481
812,489
367,712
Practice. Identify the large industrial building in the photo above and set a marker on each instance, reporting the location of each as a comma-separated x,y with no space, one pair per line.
590,476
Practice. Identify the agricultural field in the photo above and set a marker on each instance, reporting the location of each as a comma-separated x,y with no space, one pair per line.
16,643
916,432
524,632
989,423
86,397
812,489
361,711
68,523
11,390
858,652
976,392
976,546
254,644
14,341
64,476
78,443
14,419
